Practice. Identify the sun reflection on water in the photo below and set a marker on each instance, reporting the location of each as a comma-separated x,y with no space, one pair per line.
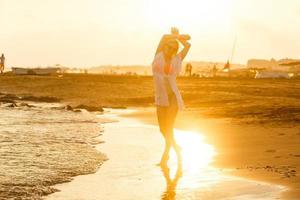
196,154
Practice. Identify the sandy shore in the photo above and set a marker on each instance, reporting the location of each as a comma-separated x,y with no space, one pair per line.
131,171
42,144
256,122
264,153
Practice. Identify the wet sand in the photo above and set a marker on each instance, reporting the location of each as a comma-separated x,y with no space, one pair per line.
268,153
134,148
42,145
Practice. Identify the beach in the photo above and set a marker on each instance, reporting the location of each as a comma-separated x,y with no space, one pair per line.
252,124
89,90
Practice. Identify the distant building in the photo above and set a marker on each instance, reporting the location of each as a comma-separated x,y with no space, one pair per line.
273,65
35,71
274,74
260,63
294,67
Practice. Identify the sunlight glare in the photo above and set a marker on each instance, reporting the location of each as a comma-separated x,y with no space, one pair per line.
189,13
196,154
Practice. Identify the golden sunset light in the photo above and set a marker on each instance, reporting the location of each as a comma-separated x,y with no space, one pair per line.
117,27
149,99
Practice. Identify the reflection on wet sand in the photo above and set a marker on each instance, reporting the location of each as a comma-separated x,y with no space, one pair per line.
195,178
196,156
171,182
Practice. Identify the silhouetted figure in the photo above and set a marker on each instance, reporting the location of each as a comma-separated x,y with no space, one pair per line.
214,71
2,63
188,69
165,67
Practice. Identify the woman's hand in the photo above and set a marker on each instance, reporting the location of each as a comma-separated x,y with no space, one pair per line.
175,31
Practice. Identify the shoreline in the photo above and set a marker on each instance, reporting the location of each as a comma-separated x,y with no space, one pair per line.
43,144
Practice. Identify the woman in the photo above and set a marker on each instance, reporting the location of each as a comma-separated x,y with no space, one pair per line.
166,66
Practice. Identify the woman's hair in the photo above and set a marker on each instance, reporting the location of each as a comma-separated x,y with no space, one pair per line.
173,43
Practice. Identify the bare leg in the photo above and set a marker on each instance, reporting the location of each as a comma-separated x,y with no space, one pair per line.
166,118
162,121
172,113
177,149
165,156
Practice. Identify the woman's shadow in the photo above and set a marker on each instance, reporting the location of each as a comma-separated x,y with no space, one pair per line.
170,192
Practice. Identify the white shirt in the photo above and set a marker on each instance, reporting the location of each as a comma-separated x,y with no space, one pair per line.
161,95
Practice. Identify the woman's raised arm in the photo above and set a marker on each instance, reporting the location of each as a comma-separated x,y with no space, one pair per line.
183,39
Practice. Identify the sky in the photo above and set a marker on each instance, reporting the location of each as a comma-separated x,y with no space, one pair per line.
84,33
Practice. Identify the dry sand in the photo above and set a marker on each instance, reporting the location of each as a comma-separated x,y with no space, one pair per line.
248,100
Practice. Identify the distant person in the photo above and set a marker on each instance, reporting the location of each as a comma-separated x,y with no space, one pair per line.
166,66
188,69
214,70
2,63
191,69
